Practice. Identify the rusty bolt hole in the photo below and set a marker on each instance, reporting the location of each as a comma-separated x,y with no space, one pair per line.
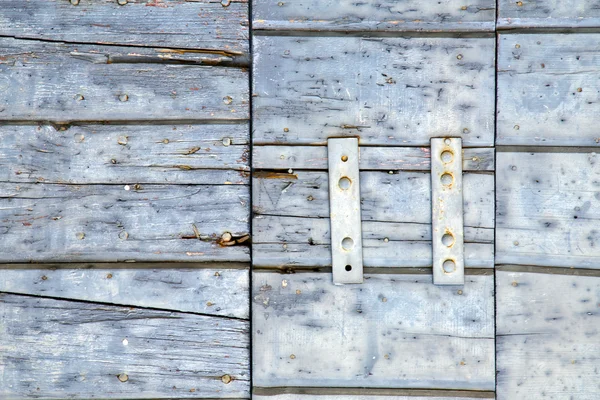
447,179
447,156
449,266
347,243
448,239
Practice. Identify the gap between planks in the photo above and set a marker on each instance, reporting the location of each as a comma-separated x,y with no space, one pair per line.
322,391
286,270
99,303
549,270
380,34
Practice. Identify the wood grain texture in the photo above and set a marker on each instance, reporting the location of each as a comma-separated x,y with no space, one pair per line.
291,219
547,89
68,223
371,158
548,14
374,16
63,349
60,82
309,332
548,336
386,91
548,205
211,290
179,154
198,24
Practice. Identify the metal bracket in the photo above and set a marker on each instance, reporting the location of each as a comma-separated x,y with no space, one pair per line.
344,210
447,211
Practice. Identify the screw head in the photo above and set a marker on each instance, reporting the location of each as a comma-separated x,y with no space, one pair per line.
121,2
123,97
75,2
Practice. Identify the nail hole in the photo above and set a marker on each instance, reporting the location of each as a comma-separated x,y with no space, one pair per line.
344,183
447,156
347,243
448,141
448,240
447,179
449,266
344,158
348,268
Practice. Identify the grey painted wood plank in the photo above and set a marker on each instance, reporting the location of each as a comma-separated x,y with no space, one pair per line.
371,158
211,290
548,337
69,223
63,349
61,82
548,209
181,154
305,242
309,332
432,396
547,89
199,24
386,91
548,14
374,16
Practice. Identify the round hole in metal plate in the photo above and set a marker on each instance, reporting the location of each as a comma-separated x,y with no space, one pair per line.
448,239
449,266
447,179
348,268
447,156
345,183
347,243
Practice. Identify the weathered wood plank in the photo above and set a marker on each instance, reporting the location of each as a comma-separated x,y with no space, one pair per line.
548,207
432,395
548,341
66,82
198,24
374,16
548,14
547,89
68,223
64,349
208,289
182,154
308,332
371,158
387,91
305,242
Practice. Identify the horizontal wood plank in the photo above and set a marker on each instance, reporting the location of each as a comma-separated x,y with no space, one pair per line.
547,89
69,223
386,91
212,289
305,242
371,158
42,81
309,332
538,14
198,24
548,207
374,16
291,219
181,154
548,339
63,349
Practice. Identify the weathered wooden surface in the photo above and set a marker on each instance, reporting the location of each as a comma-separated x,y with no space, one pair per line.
197,24
64,349
392,331
179,154
374,16
421,395
548,343
371,158
387,91
548,205
199,288
291,219
548,89
66,223
67,82
544,14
